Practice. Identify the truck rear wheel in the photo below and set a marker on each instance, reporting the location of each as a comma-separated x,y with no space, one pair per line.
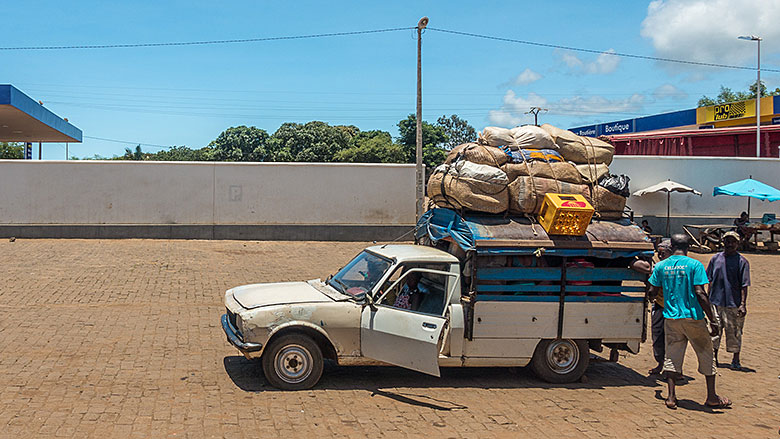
292,362
561,360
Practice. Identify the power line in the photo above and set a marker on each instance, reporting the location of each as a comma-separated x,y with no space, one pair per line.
600,52
127,142
202,43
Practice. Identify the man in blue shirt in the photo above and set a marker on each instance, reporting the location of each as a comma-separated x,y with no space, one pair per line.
685,304
729,275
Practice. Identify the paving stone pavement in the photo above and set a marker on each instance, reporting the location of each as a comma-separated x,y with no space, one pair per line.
121,338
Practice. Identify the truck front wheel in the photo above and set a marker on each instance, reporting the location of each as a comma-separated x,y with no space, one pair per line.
561,360
292,362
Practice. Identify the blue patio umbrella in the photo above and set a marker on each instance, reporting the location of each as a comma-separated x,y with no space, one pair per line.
748,188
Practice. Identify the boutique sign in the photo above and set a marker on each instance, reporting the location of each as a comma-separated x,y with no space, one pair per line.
625,126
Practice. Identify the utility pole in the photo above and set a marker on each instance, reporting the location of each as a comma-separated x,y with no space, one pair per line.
758,91
419,176
535,111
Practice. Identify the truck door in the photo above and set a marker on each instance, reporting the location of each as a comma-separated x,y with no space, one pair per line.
405,337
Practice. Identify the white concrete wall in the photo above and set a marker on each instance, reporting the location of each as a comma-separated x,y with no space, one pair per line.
702,174
116,192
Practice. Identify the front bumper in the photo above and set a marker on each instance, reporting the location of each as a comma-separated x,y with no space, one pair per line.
232,336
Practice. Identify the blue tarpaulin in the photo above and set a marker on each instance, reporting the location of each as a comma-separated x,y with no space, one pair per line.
748,188
439,224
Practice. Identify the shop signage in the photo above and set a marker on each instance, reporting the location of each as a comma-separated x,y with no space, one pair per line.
589,131
733,110
624,126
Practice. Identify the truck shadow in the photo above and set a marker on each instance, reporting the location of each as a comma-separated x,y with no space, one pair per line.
248,376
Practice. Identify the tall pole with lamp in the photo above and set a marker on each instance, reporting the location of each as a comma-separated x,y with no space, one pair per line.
758,91
419,178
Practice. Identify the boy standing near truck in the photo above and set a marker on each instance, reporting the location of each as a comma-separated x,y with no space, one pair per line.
729,275
685,304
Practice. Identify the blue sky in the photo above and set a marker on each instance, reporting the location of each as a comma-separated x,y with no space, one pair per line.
162,96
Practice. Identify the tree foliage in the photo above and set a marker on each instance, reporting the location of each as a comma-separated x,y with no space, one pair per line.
372,147
240,144
317,141
432,138
182,153
457,130
727,95
310,142
11,150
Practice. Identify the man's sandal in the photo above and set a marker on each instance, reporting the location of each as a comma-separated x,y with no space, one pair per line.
723,403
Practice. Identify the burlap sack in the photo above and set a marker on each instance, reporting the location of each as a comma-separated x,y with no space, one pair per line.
526,194
495,136
476,153
579,149
592,173
562,171
532,137
603,200
447,189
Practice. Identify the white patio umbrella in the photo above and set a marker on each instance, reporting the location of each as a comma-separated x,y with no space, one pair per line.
667,186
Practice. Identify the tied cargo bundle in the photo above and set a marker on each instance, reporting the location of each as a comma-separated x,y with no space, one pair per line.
562,171
527,193
476,153
579,149
469,186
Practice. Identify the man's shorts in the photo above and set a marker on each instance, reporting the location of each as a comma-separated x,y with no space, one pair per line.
678,333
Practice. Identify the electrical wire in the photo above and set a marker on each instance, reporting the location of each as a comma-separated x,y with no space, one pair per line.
202,43
127,142
599,52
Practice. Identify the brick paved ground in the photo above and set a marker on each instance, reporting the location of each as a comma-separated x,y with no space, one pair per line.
122,339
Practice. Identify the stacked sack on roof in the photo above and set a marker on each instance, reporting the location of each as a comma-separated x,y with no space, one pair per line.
511,171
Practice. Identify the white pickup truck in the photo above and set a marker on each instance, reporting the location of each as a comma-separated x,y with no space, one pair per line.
491,292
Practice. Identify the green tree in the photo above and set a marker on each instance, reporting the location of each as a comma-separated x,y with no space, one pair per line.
432,138
241,144
137,155
183,154
457,130
372,147
11,150
727,95
310,142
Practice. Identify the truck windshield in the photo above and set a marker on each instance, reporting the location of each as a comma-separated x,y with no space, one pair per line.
360,275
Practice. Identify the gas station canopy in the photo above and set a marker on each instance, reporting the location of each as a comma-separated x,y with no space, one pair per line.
25,120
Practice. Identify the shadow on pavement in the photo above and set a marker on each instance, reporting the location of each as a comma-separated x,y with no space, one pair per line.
248,376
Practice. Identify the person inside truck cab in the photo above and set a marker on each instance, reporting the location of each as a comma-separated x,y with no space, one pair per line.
411,294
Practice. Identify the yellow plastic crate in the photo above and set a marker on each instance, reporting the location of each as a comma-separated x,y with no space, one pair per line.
565,214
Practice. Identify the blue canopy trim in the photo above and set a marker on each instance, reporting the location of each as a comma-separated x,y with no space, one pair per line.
748,188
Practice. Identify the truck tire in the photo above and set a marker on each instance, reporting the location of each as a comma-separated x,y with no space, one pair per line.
561,360
292,362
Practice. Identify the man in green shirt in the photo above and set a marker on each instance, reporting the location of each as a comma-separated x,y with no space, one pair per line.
682,280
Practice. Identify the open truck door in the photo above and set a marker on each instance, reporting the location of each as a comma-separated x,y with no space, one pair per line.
403,337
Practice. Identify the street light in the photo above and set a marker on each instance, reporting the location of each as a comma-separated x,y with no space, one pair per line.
419,178
758,91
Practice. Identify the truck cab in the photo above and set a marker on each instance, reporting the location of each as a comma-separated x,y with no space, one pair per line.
485,291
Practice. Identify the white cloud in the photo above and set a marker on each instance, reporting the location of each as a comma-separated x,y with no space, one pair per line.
605,63
707,30
669,91
571,60
503,118
528,76
512,112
